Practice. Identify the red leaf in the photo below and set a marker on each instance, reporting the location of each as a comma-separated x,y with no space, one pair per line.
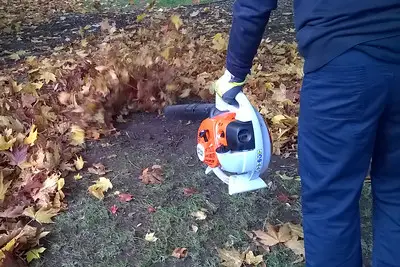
125,197
151,209
189,191
283,198
114,209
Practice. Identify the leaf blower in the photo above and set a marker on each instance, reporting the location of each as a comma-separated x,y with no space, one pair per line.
232,140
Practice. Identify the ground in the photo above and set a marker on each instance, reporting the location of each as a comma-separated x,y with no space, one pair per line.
88,234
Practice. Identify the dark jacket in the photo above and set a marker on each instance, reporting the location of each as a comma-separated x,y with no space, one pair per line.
324,30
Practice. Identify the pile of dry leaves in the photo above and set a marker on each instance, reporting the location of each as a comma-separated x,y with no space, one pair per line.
49,108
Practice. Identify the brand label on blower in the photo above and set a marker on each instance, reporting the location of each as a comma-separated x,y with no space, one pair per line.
200,152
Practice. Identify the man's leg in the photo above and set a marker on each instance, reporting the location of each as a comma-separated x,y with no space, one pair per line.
339,113
385,178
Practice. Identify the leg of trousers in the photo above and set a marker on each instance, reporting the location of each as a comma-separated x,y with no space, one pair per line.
342,106
385,176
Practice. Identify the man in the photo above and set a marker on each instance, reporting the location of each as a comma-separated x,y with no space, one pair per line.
349,114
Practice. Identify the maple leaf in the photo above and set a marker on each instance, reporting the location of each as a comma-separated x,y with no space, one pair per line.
3,186
77,135
6,144
219,42
296,245
273,237
125,197
60,183
43,215
101,186
48,76
151,237
296,229
12,212
152,175
179,253
18,156
34,254
251,259
79,163
231,258
31,138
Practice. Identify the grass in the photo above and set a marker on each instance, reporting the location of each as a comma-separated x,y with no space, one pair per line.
89,235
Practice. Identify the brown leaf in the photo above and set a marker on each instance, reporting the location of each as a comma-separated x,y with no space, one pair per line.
12,212
297,246
125,197
180,253
152,175
272,236
231,258
189,191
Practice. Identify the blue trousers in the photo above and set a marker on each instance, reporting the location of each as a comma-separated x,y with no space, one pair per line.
350,120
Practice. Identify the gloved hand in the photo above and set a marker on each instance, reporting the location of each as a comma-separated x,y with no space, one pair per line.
227,87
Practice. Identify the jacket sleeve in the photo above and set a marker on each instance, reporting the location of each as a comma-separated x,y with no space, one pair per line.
250,18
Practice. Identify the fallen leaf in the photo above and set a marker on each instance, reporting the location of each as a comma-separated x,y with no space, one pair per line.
12,212
179,253
34,254
278,118
296,229
272,236
176,20
102,185
3,186
296,245
114,209
151,209
189,191
150,237
251,259
31,138
60,184
6,144
199,215
79,163
78,176
98,169
152,175
231,258
283,198
48,76
43,215
18,156
125,197
77,135
195,228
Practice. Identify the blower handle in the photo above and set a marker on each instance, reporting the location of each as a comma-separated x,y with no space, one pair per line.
190,111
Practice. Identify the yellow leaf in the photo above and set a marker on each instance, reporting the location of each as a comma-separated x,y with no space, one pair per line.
277,118
43,215
6,145
48,76
30,140
3,186
176,20
200,215
60,184
78,177
185,93
150,237
9,246
84,43
231,258
79,163
34,254
219,42
251,259
101,186
77,135
140,17
165,53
